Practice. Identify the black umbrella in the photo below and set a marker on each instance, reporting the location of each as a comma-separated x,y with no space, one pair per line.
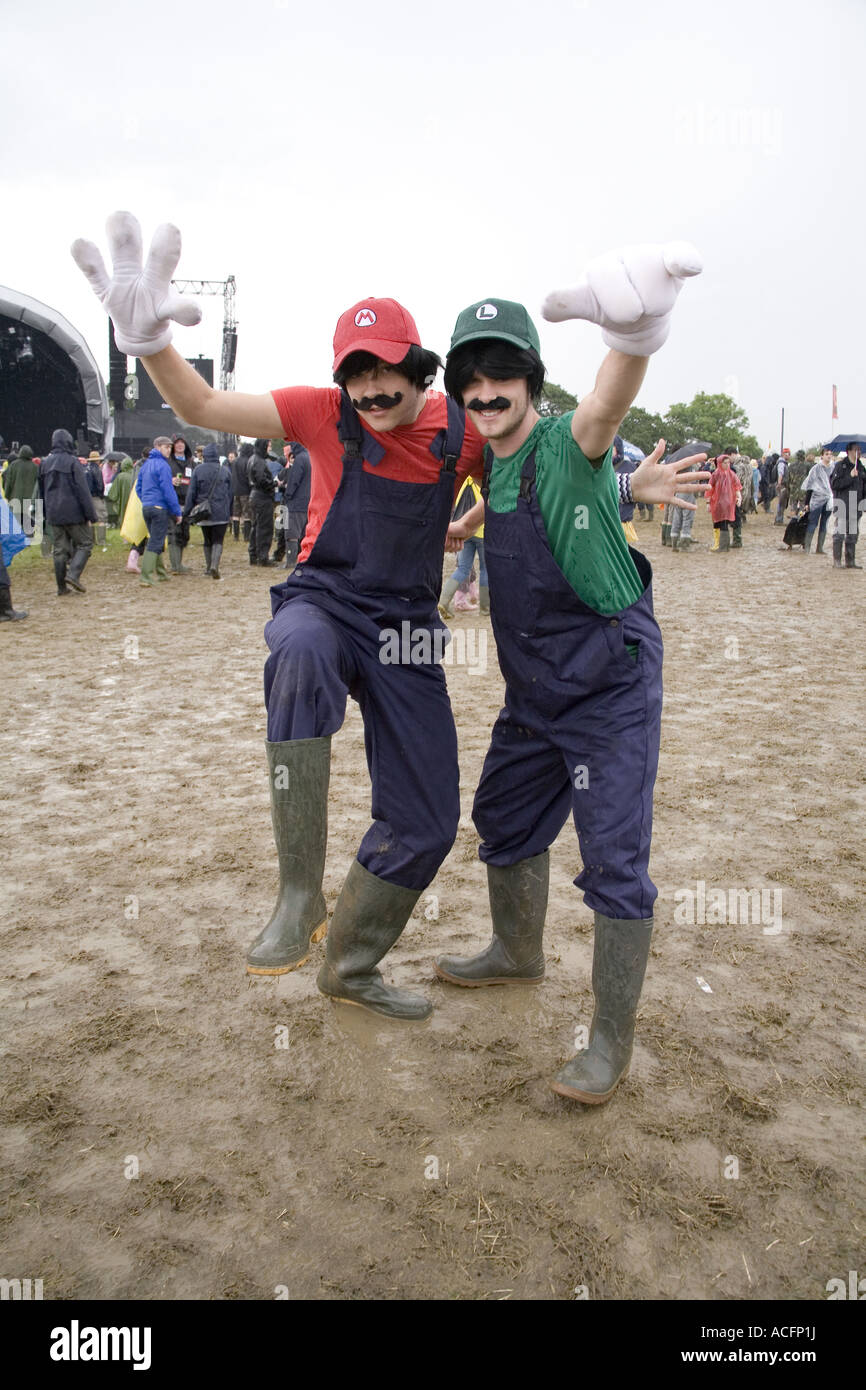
699,446
842,441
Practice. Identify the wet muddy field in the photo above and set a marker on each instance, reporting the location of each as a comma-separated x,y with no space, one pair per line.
172,1128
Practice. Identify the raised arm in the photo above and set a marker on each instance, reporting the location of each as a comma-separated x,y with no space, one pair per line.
141,301
194,401
600,414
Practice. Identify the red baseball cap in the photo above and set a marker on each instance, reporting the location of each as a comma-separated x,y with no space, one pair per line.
380,326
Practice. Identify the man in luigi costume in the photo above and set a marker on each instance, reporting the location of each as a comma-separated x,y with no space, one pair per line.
578,645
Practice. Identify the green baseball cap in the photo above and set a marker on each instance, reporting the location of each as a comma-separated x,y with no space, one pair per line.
496,318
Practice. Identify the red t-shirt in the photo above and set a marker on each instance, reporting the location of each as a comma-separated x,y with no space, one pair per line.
310,415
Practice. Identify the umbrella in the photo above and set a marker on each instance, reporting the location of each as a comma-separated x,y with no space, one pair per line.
841,442
698,446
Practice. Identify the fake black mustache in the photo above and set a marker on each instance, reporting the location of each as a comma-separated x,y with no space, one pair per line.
499,404
383,402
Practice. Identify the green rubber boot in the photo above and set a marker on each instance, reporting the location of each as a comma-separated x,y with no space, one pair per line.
518,905
675,542
618,968
161,571
666,533
724,540
449,589
298,771
369,917
484,598
148,565
176,556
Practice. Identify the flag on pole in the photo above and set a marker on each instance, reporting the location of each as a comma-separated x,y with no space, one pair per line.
835,406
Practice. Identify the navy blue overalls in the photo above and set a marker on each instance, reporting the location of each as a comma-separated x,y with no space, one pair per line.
580,727
376,565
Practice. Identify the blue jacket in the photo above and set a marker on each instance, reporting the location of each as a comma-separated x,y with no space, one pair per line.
63,484
203,476
154,485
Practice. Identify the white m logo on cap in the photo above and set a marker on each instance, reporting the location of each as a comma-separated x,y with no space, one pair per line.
365,318
487,311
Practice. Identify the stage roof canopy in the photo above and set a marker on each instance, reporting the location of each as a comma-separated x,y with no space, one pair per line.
43,319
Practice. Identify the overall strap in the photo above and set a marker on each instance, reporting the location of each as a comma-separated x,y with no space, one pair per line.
527,475
488,468
447,444
356,442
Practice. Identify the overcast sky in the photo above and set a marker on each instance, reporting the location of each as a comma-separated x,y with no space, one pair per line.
446,153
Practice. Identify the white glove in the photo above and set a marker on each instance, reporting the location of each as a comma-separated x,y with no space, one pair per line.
140,301
630,293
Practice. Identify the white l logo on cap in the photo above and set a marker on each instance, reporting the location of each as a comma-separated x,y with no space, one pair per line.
365,318
487,311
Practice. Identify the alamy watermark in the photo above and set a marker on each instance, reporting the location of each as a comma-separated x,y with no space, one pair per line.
743,907
730,127
421,646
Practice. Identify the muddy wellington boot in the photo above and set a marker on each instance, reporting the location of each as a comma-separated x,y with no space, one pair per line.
518,905
207,558
724,540
618,967
837,552
60,576
449,589
298,771
7,613
484,598
148,566
666,533
850,551
159,568
369,917
216,556
716,534
176,556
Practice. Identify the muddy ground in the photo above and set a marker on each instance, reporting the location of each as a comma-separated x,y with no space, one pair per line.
134,782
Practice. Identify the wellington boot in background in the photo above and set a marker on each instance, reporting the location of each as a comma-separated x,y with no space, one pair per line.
216,556
716,533
298,771
159,569
518,906
148,566
60,577
449,589
369,917
619,961
484,598
7,613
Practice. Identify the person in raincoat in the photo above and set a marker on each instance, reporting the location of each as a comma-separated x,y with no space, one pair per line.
119,489
723,498
848,482
12,539
20,487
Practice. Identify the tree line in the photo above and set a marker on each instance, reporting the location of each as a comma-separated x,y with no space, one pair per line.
717,419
